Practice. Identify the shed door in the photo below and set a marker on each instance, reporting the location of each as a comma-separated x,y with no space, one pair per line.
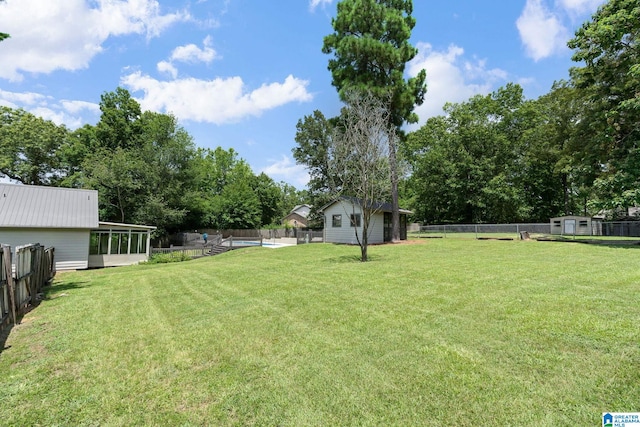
387,227
569,226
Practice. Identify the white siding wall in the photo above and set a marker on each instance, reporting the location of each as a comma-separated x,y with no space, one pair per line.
346,233
376,228
71,246
96,261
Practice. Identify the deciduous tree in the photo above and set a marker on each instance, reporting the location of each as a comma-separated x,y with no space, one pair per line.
467,165
608,50
314,135
358,156
28,147
370,47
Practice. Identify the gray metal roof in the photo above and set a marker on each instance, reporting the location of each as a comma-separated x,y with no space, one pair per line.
377,206
302,210
30,206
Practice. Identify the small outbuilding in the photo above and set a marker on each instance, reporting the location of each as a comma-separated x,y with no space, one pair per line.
343,216
575,225
67,219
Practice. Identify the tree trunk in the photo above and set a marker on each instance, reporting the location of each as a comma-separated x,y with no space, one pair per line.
363,251
395,204
565,191
364,241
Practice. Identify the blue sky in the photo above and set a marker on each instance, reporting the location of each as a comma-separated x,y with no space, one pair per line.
241,73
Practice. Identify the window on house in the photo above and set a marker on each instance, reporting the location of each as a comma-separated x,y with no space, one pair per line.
119,242
143,243
336,221
355,220
124,243
115,243
98,243
135,243
94,243
138,243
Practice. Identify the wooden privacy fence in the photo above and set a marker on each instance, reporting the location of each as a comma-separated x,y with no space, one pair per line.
23,278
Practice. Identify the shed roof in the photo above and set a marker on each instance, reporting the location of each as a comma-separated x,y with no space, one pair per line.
377,206
31,206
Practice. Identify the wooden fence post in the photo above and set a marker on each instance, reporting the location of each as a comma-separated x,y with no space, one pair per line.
6,258
33,278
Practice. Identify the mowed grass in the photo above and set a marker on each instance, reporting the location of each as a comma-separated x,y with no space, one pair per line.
445,331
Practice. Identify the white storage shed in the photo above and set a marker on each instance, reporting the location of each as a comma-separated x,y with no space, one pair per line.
575,225
344,215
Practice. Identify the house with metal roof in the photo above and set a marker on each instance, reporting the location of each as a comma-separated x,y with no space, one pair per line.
343,216
67,219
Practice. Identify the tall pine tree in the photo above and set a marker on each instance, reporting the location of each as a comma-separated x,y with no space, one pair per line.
370,47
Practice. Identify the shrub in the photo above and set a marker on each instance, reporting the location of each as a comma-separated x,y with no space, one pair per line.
168,257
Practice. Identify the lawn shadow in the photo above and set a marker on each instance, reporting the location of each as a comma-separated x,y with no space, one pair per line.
4,335
351,259
624,244
50,291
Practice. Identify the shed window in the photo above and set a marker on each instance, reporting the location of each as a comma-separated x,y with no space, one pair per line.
583,224
355,220
336,221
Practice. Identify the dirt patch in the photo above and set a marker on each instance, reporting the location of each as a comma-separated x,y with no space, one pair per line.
410,242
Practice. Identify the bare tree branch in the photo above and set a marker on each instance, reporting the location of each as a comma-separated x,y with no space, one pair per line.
359,159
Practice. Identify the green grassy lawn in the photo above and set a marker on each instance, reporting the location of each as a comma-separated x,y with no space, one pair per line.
515,236
451,235
445,332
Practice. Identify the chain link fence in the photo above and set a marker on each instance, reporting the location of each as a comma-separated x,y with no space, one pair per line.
598,228
482,230
621,228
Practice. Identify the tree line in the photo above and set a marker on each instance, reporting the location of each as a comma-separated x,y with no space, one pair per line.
574,150
498,157
493,158
146,168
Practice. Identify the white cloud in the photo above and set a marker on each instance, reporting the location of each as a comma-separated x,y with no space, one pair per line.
57,116
541,30
75,107
315,3
189,53
168,68
580,6
214,101
450,78
193,54
65,35
71,113
21,100
287,170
